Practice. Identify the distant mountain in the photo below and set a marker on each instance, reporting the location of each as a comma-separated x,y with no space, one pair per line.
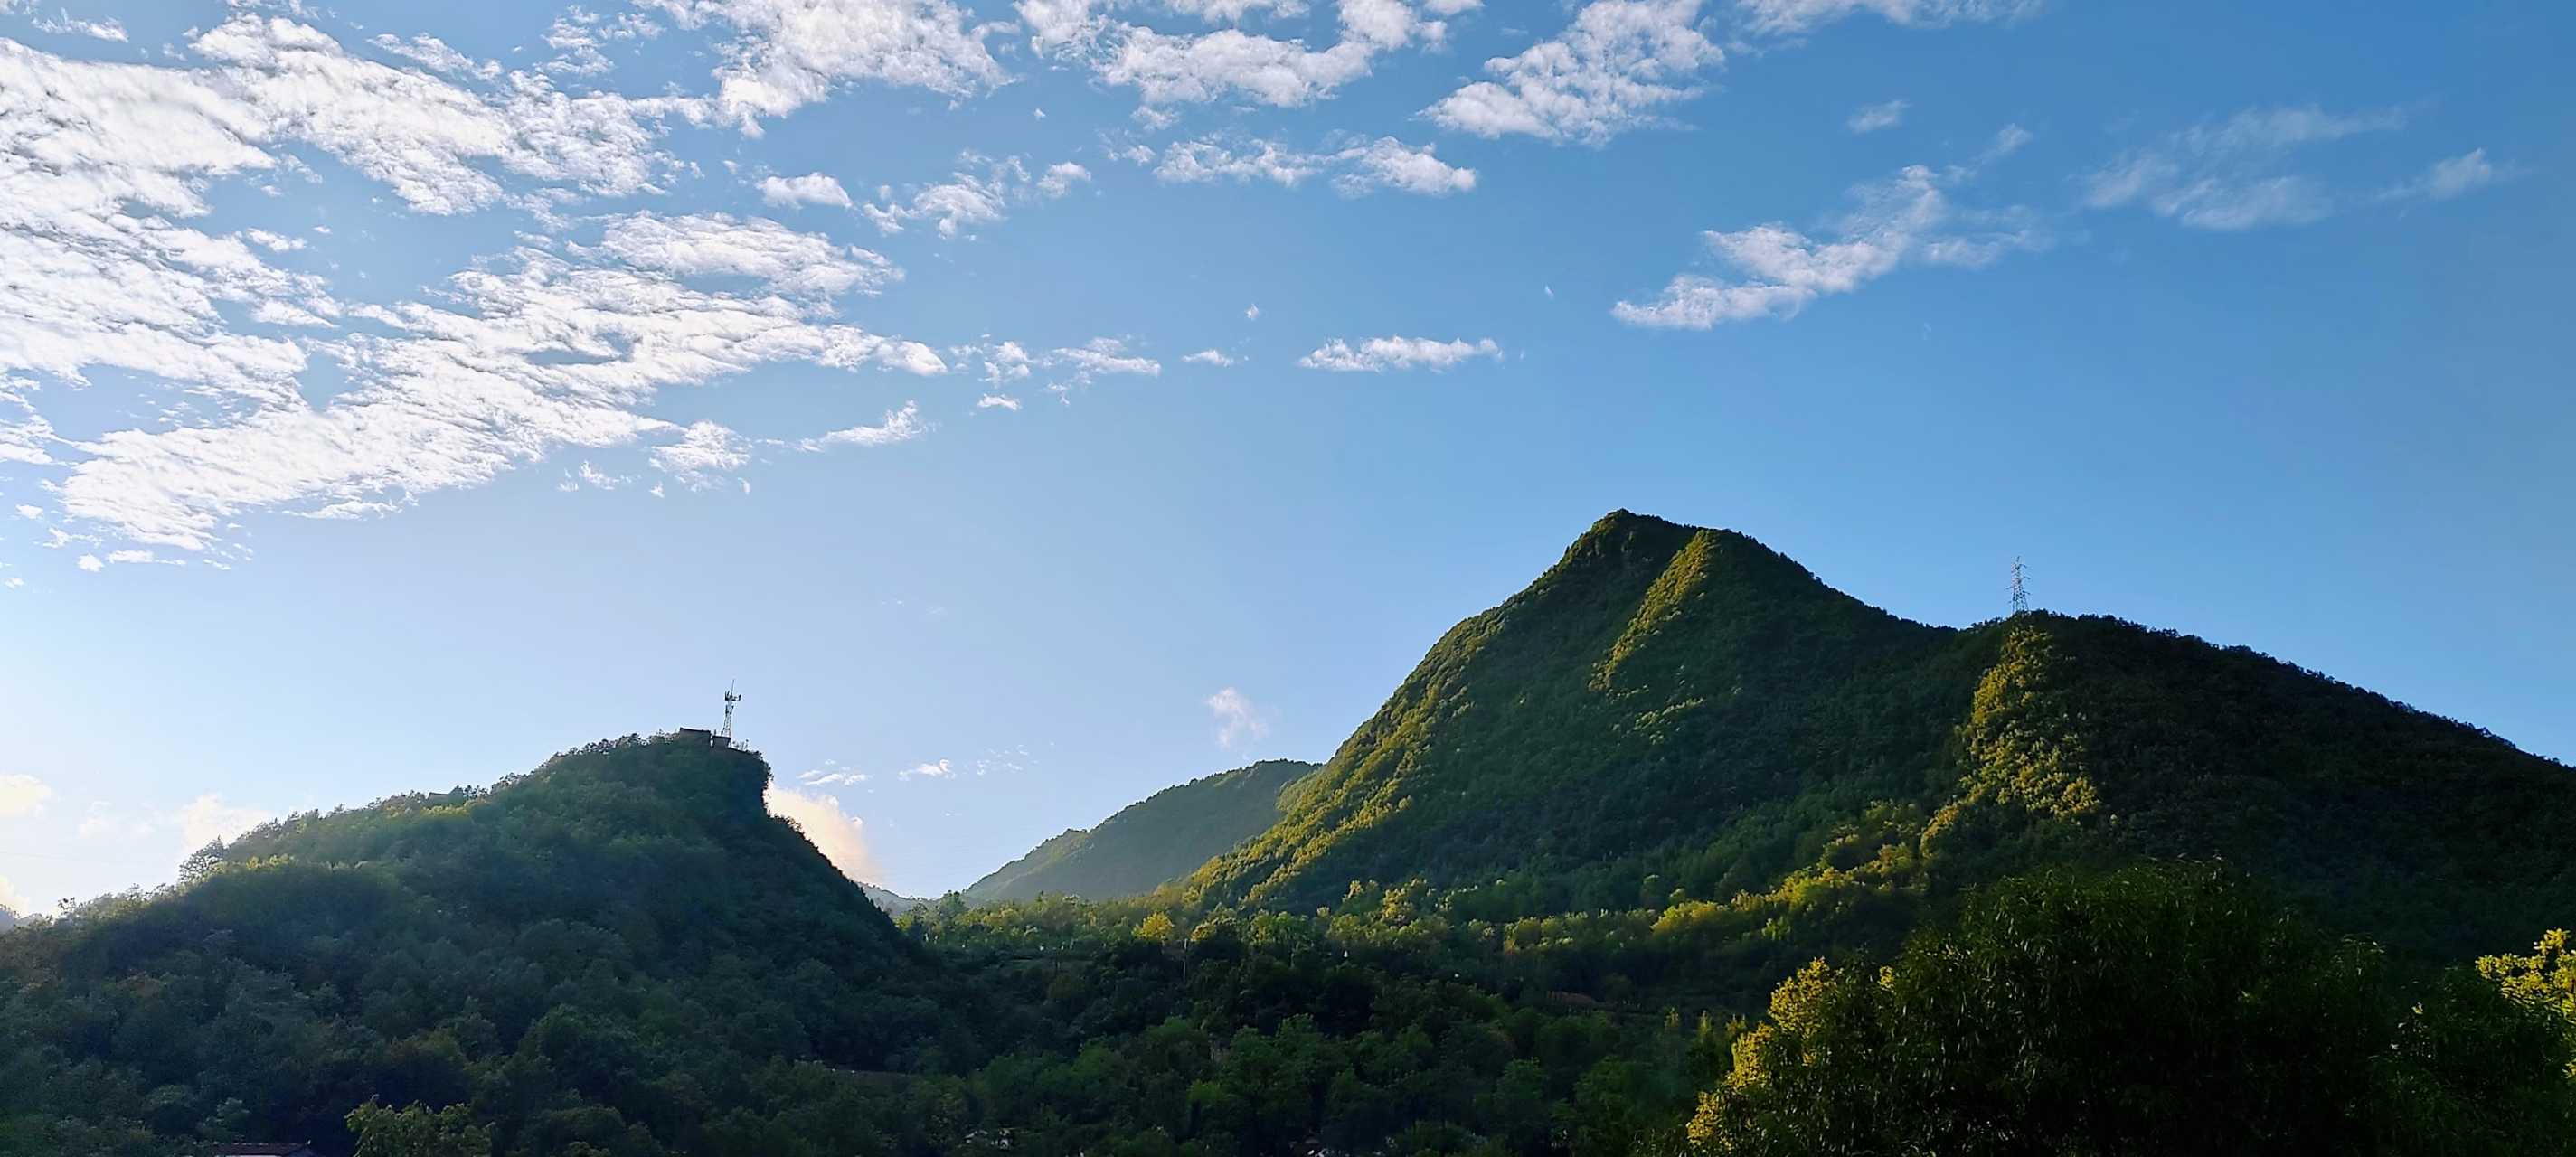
1152,843
1673,714
893,903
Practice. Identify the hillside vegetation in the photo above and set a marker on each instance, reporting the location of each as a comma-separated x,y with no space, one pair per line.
1149,844
1677,851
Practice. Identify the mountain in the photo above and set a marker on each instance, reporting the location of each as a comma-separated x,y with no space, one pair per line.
1674,715
620,950
1152,843
8,919
892,903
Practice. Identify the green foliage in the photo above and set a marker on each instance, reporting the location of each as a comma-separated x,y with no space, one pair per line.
418,1132
2155,1010
1149,844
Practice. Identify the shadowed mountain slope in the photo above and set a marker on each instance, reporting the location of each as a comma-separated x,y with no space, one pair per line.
620,949
1673,715
1152,843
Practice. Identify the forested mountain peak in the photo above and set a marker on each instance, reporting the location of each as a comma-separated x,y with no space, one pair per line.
1673,716
622,940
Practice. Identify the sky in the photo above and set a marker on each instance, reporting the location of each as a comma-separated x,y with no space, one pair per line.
1031,405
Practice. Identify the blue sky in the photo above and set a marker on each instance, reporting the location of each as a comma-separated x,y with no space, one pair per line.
1036,405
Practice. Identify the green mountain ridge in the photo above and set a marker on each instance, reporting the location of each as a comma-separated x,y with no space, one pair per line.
1675,714
621,949
1153,842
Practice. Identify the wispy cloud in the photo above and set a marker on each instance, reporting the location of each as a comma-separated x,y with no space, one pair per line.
1870,118
1195,68
1356,169
1616,68
2448,178
1379,354
973,198
1239,720
1784,17
1906,219
1210,357
902,425
2233,174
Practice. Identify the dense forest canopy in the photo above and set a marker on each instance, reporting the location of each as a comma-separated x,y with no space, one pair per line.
1677,851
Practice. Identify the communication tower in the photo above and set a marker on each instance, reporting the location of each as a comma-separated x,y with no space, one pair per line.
724,738
2020,604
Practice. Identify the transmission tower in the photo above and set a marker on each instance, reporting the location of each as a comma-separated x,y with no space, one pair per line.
725,737
2020,601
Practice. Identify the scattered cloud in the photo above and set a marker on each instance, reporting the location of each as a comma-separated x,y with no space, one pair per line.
902,425
1906,219
792,53
2231,175
1614,69
1099,357
1357,168
971,198
1196,68
533,351
2440,181
208,818
840,836
1786,17
1378,354
939,769
13,900
810,189
1210,357
1239,720
22,795
705,456
1870,118
90,562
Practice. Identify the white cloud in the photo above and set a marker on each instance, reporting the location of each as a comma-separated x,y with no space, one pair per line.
1870,118
89,562
2440,181
971,198
1002,401
539,351
1211,357
22,795
1239,720
1200,67
936,770
810,189
12,899
1357,168
1794,16
1378,354
1612,70
2230,175
208,818
705,456
1101,356
840,836
108,30
1908,219
793,53
716,245
422,135
902,425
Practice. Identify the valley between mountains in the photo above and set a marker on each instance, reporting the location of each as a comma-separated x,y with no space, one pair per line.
1678,850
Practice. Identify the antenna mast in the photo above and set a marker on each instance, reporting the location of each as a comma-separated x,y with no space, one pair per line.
2020,604
732,697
